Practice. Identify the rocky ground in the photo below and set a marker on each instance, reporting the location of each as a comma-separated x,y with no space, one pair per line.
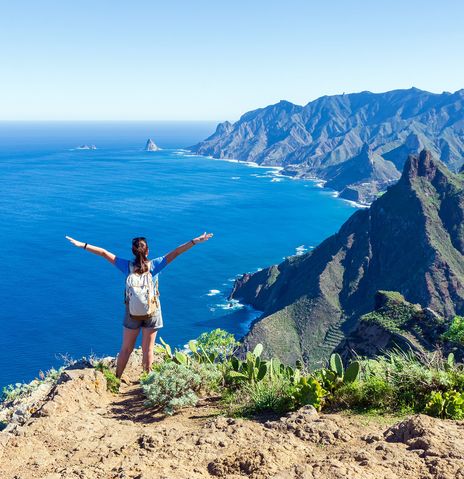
79,430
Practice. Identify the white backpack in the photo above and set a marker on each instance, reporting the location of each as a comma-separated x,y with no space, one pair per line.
141,294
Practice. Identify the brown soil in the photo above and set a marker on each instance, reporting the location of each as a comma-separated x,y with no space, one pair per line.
79,430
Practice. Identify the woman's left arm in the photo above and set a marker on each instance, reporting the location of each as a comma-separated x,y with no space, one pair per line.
186,246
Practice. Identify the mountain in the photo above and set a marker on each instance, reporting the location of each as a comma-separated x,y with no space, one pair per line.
151,145
410,240
316,139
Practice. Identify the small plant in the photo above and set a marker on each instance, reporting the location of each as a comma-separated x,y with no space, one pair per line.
310,391
449,404
171,387
455,331
112,382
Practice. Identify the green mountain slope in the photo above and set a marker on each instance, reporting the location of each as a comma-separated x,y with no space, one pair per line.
410,240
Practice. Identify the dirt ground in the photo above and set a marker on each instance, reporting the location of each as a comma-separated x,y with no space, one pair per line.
79,430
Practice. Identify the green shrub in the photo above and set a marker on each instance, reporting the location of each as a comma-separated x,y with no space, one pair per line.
372,393
171,387
309,391
377,393
217,343
455,331
210,376
349,396
112,382
275,396
449,404
412,377
19,390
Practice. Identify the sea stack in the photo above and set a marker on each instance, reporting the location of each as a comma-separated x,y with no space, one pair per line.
151,145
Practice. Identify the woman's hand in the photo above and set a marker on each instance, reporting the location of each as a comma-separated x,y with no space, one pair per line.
74,242
185,247
202,238
93,249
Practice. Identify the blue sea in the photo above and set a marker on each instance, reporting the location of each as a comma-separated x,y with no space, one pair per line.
59,300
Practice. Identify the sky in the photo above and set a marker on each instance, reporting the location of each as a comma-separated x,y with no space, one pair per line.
215,60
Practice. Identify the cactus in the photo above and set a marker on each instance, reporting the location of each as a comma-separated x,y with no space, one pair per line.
336,365
181,358
164,349
253,369
352,372
336,375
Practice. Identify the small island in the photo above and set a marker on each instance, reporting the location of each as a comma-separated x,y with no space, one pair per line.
151,145
86,147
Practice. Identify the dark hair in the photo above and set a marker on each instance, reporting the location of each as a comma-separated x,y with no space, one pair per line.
140,250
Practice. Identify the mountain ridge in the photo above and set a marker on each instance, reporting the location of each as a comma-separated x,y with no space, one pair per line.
310,140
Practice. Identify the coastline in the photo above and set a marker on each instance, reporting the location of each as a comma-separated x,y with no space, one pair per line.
319,182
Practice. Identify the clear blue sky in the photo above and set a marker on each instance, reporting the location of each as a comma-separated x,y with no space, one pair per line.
214,60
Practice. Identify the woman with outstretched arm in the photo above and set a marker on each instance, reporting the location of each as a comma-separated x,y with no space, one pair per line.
142,306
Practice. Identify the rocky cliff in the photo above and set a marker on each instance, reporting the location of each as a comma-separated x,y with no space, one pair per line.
410,240
320,137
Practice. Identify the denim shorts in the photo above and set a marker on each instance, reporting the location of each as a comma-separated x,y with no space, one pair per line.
154,322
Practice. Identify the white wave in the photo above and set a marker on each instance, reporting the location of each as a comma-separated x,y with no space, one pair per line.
213,292
276,180
251,164
230,305
354,204
302,249
235,177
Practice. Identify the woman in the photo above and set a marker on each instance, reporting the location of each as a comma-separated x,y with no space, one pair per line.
142,306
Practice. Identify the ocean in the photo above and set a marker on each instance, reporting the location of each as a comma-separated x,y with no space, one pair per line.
58,301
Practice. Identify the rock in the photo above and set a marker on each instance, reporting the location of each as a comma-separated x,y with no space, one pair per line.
151,145
86,147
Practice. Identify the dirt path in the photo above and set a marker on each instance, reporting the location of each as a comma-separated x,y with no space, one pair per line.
82,431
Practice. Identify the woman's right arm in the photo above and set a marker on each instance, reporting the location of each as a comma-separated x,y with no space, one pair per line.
93,249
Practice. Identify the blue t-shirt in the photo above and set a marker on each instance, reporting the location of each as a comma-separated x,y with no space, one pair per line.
156,265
